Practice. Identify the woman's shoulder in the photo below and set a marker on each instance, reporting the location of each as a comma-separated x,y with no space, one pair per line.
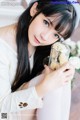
4,31
8,32
8,35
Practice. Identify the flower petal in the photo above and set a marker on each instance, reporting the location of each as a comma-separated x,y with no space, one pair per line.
75,61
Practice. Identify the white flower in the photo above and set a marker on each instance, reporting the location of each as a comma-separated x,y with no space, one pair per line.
75,61
71,43
78,48
78,44
61,47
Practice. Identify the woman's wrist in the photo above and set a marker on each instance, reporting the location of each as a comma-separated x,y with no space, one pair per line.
41,91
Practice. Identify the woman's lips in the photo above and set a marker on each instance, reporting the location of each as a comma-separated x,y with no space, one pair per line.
36,40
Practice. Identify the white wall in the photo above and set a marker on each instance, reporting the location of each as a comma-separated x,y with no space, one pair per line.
10,11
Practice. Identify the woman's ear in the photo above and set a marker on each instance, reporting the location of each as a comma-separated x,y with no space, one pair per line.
33,9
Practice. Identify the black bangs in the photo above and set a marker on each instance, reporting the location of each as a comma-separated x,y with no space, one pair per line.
64,17
64,25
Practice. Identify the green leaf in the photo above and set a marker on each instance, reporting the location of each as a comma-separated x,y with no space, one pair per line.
78,70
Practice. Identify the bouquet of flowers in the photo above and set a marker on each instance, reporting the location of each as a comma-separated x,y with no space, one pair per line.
74,56
61,52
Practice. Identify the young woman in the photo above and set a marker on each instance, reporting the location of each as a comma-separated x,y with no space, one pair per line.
23,47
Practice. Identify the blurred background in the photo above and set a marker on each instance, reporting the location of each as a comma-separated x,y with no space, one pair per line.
9,13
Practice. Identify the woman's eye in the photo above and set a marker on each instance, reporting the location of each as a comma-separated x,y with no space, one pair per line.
46,22
56,36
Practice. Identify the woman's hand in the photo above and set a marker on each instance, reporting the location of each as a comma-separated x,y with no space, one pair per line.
55,79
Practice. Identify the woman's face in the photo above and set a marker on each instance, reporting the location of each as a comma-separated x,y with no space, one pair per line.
41,32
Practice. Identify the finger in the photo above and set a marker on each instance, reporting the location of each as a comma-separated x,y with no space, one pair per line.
68,81
69,72
69,78
65,67
47,69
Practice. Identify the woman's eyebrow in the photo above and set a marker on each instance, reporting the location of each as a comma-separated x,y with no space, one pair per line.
60,34
50,21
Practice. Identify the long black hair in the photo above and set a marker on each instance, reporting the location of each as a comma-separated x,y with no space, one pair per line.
67,15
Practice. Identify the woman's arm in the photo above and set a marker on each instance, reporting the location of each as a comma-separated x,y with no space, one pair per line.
18,100
56,103
28,98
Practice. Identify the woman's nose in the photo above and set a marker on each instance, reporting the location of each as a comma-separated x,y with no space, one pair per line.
46,35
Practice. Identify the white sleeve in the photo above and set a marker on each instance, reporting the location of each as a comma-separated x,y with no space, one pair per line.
19,100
